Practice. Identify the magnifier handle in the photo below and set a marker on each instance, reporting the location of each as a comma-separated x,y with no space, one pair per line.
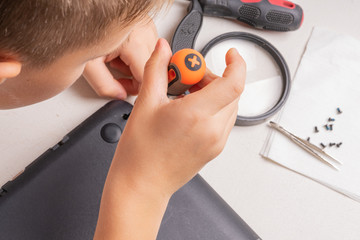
276,15
188,29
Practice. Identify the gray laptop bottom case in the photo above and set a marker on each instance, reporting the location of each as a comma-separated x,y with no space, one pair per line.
58,195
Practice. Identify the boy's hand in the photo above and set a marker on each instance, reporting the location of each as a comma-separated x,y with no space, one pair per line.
166,142
129,59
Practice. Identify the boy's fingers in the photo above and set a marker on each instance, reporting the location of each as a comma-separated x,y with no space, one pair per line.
120,66
136,62
222,91
131,86
208,78
233,56
137,65
154,86
9,69
102,81
135,52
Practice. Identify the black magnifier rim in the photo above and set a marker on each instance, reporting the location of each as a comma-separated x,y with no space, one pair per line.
285,73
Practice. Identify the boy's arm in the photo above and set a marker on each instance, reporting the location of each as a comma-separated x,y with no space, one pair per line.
164,144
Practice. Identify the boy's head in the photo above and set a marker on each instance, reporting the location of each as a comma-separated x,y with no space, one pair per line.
45,44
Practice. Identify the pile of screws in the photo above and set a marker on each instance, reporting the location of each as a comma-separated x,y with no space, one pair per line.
328,127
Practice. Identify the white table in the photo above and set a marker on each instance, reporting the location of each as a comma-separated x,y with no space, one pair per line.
275,202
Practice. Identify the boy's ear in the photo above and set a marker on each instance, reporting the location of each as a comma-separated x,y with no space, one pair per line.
9,69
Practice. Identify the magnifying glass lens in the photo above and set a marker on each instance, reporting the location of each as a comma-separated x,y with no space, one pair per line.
263,86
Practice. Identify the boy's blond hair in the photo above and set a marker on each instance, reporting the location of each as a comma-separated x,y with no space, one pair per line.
39,31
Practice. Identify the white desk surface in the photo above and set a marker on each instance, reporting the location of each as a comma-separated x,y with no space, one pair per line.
277,203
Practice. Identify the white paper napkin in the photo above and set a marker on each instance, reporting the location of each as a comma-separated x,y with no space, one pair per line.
328,77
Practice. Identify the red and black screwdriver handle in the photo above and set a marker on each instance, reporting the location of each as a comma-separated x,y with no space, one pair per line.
277,15
266,14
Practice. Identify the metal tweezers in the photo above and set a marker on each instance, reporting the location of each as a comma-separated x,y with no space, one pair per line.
309,147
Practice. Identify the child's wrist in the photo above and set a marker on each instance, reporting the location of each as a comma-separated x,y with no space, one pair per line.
139,183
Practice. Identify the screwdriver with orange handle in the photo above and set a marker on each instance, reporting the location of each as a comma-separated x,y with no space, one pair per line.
187,67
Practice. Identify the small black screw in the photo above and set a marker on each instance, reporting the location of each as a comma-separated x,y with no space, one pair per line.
338,110
316,129
126,116
332,144
327,127
331,127
308,139
2,192
322,145
339,144
331,119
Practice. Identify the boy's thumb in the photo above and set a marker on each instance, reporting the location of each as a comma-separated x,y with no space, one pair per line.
154,85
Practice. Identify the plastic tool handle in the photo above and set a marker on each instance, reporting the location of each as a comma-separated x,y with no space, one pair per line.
188,29
187,67
276,15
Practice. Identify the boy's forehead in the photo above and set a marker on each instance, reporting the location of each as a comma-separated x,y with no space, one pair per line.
110,43
115,36
72,59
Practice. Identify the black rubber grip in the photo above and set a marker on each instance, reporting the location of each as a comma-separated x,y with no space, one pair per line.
188,29
282,16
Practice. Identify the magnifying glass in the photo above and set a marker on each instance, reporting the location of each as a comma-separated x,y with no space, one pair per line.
263,77
267,79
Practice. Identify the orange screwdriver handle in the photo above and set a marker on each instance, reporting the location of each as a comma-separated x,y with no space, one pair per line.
187,67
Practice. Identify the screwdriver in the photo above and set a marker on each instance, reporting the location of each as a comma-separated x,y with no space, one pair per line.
187,67
276,15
